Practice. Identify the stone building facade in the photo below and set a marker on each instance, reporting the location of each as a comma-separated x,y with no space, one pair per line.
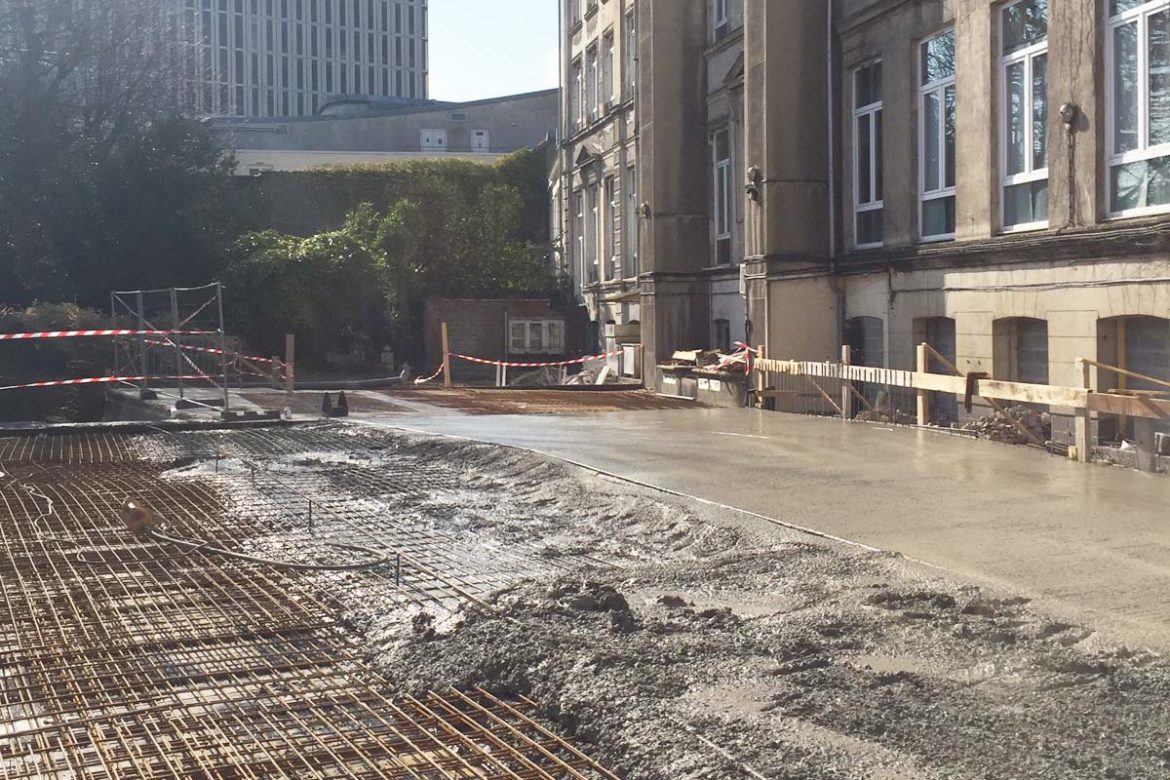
279,58
989,177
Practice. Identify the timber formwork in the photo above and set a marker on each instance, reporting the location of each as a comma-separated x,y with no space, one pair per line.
122,657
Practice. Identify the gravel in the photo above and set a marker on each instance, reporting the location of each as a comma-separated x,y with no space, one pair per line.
696,643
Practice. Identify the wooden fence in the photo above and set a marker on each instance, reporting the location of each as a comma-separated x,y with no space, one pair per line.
1145,408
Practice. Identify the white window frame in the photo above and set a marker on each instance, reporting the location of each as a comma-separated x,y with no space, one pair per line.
608,91
1030,174
630,228
1140,15
579,230
547,329
592,218
592,81
722,213
631,53
577,94
719,23
613,212
872,112
938,86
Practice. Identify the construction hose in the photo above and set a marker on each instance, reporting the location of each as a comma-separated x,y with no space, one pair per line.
379,559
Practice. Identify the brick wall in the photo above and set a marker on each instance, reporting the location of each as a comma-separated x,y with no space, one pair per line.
478,328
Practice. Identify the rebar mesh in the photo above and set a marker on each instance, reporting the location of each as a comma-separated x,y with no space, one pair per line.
125,658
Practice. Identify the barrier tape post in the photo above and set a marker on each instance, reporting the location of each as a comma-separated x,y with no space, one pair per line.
446,355
177,339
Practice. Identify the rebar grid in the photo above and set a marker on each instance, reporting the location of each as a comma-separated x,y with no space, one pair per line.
123,658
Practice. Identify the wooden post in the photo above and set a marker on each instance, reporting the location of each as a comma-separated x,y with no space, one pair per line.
1144,440
847,385
761,377
1083,417
290,356
446,355
923,395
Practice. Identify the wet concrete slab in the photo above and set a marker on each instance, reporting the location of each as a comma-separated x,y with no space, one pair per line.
1091,542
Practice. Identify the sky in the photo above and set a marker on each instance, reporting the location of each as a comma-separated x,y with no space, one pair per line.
488,48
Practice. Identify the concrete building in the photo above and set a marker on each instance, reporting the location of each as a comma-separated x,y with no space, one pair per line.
279,58
647,202
483,131
989,177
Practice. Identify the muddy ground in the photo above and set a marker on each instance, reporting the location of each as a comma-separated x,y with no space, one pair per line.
678,641
709,646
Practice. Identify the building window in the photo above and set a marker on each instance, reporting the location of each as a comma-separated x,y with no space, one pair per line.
591,221
1024,114
721,189
575,97
631,55
719,24
574,12
613,208
579,231
591,83
607,63
936,121
1139,106
536,337
868,177
722,336
630,234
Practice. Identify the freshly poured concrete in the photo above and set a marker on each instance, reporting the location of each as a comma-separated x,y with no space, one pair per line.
1091,542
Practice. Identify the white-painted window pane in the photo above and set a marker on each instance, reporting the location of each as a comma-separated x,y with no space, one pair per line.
949,138
1040,112
932,116
1023,24
1141,184
1125,88
938,58
1159,64
1025,203
864,160
536,336
1016,128
938,216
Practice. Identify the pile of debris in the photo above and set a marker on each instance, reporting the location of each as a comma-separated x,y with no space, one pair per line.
1014,425
885,411
713,359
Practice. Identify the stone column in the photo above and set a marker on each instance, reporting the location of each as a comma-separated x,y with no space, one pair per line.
674,170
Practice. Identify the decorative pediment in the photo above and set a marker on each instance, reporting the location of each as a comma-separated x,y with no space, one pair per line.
735,73
587,154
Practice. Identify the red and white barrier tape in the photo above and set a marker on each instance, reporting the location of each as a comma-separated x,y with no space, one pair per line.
555,364
98,380
210,351
74,334
423,380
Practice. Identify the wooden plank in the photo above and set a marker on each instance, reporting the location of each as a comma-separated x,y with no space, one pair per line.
923,396
1083,422
846,406
1133,406
828,397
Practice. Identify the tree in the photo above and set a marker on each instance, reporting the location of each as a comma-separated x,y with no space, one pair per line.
103,182
368,281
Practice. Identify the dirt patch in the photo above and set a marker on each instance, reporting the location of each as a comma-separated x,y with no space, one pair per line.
692,644
489,401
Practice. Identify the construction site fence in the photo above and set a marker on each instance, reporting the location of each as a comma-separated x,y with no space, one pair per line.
1126,427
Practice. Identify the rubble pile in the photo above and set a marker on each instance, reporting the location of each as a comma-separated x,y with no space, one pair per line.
998,426
735,362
